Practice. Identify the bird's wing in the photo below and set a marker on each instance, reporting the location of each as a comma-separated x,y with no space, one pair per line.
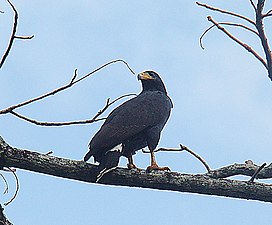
132,117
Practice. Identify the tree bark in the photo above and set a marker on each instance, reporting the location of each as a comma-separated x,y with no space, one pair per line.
213,183
3,218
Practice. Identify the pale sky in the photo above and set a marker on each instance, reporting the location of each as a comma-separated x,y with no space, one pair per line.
222,106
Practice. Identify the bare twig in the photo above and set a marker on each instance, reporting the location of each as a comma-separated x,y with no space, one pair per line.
269,13
1,11
253,5
74,77
256,173
49,153
225,12
197,156
258,8
24,37
64,87
263,38
11,40
6,183
247,47
94,119
17,188
41,123
183,148
228,24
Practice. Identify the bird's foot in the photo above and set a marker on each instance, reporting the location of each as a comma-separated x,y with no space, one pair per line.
156,167
131,166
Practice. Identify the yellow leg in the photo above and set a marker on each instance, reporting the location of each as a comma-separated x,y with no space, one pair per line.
130,164
154,165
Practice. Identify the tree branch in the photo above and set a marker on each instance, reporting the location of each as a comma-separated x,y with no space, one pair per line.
227,24
3,218
263,38
226,12
258,24
94,119
62,88
171,181
245,46
13,35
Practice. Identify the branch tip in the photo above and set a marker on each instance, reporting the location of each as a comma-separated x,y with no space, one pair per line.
24,37
251,180
17,188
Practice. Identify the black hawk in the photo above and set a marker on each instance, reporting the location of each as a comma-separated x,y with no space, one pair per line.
133,125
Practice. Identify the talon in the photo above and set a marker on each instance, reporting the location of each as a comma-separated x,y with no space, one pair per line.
131,166
156,167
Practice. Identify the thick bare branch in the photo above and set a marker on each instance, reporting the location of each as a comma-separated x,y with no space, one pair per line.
171,181
3,218
226,12
262,35
247,169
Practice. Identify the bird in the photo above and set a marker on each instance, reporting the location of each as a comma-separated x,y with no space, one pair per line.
134,125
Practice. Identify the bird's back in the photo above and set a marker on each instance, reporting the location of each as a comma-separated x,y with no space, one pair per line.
148,109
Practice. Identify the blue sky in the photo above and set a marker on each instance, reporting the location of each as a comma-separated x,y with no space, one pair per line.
222,105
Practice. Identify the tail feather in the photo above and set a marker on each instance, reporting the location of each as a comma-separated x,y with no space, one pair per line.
88,156
108,163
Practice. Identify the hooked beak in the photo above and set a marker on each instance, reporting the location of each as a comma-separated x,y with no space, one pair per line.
144,76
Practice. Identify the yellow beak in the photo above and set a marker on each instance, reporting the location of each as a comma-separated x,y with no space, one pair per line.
144,76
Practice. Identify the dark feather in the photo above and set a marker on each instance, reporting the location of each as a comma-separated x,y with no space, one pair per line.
135,124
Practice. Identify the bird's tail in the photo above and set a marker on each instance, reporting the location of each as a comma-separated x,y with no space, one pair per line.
108,163
88,156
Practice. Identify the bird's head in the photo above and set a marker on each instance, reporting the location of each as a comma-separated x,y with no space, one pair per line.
151,81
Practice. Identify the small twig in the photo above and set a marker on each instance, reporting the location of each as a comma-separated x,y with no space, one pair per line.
24,37
6,183
224,23
49,153
182,148
225,12
41,123
9,169
17,188
94,119
253,5
247,47
269,13
2,11
74,77
197,156
251,180
11,40
64,87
